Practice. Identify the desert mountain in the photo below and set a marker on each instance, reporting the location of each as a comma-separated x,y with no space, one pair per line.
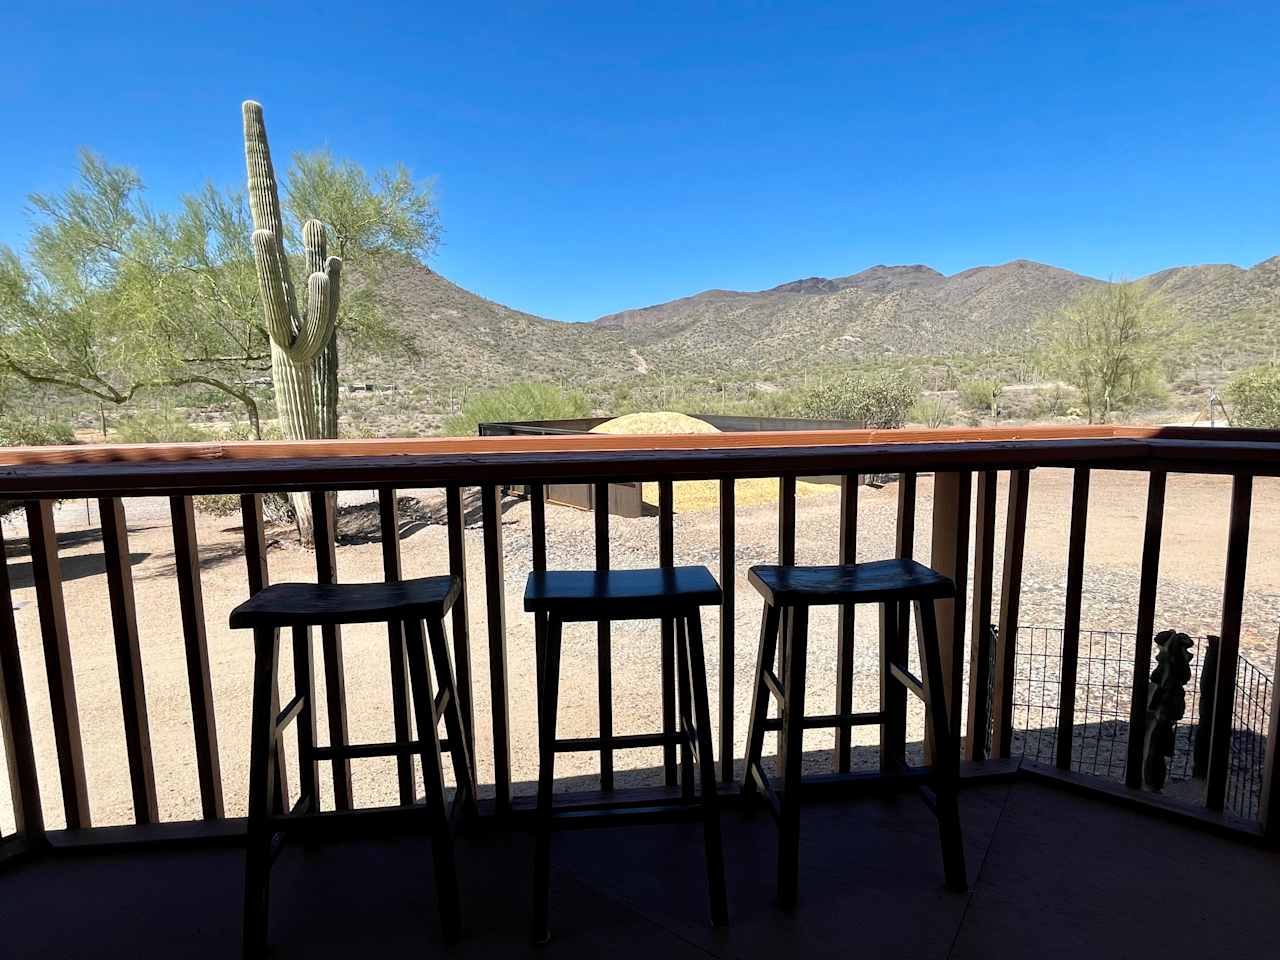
905,310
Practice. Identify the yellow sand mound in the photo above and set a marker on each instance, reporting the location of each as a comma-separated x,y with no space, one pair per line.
693,495
664,422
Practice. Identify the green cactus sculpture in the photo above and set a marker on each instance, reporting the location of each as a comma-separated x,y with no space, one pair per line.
304,350
299,338
1166,703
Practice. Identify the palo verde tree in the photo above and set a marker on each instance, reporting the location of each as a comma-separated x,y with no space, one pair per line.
1111,345
113,299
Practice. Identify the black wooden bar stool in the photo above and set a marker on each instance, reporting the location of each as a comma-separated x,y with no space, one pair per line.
790,591
302,606
668,593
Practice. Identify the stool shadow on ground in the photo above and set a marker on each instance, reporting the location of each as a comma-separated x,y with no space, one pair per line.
75,567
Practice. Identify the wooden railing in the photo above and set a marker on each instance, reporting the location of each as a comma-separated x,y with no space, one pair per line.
962,461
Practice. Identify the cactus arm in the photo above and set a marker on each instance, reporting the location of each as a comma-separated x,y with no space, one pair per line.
317,325
314,245
276,302
333,267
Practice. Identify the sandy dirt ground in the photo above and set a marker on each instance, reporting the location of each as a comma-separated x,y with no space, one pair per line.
1190,599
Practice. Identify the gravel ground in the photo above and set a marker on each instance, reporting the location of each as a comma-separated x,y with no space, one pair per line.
1190,599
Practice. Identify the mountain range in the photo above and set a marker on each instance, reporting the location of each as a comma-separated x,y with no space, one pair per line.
914,310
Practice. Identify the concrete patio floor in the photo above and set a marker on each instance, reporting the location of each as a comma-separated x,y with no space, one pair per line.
1052,874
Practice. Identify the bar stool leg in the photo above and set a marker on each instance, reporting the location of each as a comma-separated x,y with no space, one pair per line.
893,695
707,771
547,706
945,770
453,723
797,641
759,700
669,720
257,871
400,707
304,687
686,716
433,779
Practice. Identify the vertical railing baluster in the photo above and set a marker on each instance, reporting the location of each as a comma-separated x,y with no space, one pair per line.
495,596
728,585
1015,538
1224,684
600,503
324,524
47,574
15,718
786,558
667,558
1269,807
1071,617
984,552
258,576
124,622
456,520
787,520
204,726
848,553
952,493
538,547
1147,584
389,525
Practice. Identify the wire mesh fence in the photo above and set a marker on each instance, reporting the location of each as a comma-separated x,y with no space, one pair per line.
1100,731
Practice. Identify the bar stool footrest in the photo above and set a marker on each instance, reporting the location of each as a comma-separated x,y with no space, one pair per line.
631,741
908,680
366,751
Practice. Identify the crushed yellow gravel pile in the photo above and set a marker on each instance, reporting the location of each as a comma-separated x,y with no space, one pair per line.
695,495
655,423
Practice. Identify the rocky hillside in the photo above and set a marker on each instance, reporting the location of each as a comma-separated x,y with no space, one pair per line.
907,310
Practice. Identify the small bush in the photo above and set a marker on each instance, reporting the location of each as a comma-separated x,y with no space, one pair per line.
520,401
1255,397
880,401
933,412
33,432
159,426
23,431
981,396
1054,402
276,509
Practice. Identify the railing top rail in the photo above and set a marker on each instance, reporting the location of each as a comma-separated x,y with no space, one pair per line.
141,469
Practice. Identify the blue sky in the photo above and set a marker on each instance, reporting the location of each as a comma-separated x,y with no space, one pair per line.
597,157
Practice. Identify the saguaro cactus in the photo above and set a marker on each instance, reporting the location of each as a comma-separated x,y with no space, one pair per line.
1166,703
303,354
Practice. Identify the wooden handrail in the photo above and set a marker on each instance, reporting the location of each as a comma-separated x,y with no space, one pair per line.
185,469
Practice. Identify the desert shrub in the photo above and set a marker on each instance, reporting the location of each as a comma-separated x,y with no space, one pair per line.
933,412
878,400
33,432
520,401
159,426
1255,397
982,395
1053,401
21,431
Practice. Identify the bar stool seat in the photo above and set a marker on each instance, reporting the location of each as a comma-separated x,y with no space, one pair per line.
789,592
577,595
668,594
314,604
300,606
872,582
